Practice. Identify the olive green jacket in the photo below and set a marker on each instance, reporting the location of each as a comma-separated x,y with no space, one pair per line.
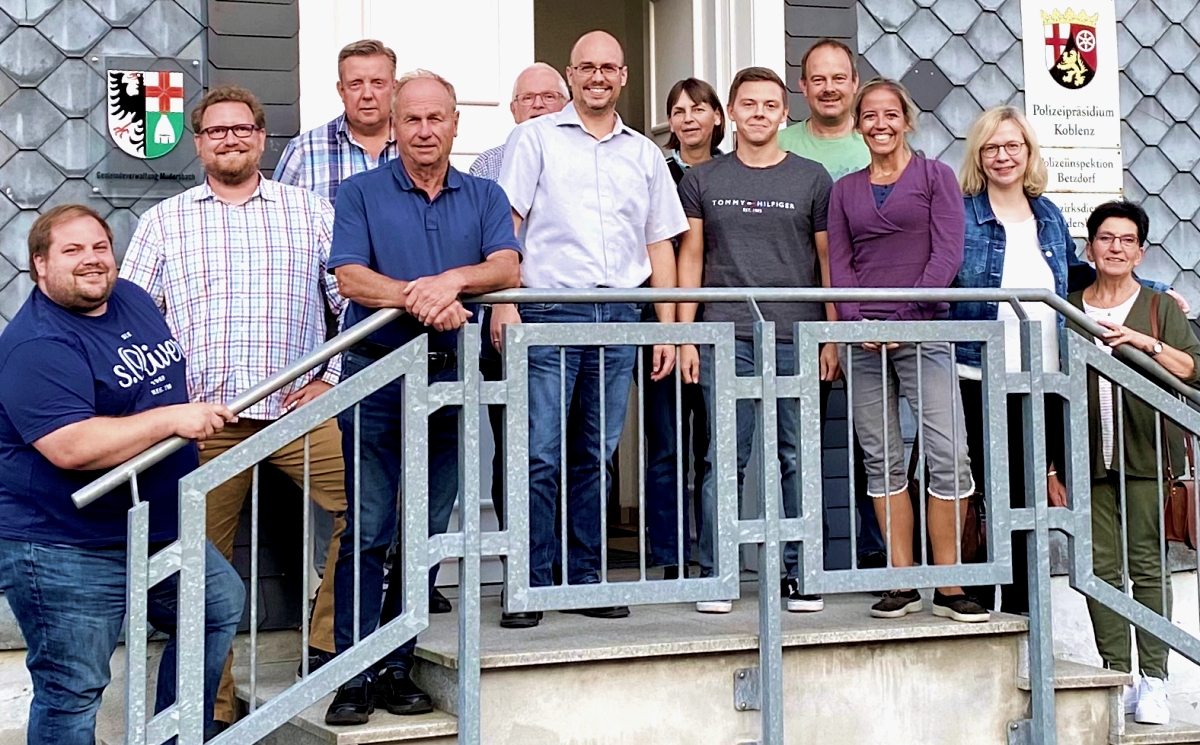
1141,458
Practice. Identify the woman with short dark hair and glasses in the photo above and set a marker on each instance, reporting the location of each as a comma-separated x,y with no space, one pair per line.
1130,460
697,122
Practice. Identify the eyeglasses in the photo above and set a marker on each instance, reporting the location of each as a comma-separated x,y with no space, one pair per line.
991,151
1107,239
587,70
241,131
550,98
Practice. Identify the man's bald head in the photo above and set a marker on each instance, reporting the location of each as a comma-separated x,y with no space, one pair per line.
597,43
538,90
597,73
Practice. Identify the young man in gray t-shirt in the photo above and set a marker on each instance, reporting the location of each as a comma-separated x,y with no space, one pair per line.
756,218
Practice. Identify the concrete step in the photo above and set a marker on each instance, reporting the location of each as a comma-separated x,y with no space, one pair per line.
1071,675
1178,732
667,675
309,728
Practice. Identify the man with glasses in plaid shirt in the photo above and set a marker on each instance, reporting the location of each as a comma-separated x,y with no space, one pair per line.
238,264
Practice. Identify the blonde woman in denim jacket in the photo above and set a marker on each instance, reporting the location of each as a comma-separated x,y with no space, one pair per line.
1015,238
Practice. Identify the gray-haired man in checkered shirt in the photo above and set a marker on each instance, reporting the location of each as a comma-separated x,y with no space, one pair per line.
539,89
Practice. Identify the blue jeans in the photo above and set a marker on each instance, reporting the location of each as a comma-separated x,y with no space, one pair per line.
788,429
662,489
381,438
584,459
70,605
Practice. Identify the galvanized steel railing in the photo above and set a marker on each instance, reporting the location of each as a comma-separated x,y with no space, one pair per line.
768,532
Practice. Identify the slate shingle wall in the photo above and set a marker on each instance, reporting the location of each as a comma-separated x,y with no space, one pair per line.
53,109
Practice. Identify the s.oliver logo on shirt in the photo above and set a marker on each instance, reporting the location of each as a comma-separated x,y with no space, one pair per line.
142,361
754,206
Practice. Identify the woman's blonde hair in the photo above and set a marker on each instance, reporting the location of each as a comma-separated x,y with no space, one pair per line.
972,179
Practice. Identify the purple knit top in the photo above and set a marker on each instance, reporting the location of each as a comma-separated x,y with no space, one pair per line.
914,240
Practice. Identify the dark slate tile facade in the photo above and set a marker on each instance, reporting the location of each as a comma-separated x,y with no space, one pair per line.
52,98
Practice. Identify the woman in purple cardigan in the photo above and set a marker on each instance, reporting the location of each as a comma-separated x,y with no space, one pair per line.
899,223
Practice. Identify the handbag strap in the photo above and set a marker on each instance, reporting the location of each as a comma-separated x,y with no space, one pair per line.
1189,449
1154,302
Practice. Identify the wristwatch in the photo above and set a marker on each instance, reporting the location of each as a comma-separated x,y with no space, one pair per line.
1156,349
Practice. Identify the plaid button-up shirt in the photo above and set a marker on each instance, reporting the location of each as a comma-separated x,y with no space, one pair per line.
244,287
488,164
321,159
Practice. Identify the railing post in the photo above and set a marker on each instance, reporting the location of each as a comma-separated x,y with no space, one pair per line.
770,632
137,576
469,726
1041,633
189,691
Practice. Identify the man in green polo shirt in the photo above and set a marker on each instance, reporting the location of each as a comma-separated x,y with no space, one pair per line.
828,81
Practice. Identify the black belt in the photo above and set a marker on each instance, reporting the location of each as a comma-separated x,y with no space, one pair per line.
438,361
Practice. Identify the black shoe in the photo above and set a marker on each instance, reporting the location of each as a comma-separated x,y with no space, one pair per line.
897,604
672,572
872,560
316,660
438,602
958,607
610,611
797,603
396,692
214,728
354,702
520,620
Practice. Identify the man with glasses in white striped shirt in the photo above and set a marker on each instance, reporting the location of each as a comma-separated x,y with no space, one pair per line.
238,265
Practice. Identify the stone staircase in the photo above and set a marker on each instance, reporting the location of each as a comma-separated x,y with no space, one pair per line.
669,676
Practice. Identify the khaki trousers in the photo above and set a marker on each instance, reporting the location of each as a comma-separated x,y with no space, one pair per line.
327,487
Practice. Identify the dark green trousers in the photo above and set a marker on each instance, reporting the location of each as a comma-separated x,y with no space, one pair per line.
1111,630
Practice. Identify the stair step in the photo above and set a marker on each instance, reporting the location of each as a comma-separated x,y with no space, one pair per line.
1178,732
309,728
1071,675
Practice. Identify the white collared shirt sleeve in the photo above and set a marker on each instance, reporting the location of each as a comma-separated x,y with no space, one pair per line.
665,218
522,168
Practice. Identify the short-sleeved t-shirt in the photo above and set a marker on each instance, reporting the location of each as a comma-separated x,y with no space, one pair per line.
386,223
758,232
58,368
839,155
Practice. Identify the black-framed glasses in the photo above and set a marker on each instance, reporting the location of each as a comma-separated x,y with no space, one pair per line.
1012,148
550,97
587,70
241,131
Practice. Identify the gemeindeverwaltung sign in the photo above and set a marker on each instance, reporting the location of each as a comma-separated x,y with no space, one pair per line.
1072,100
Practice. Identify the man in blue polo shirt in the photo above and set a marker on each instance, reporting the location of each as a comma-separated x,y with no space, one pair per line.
90,377
415,234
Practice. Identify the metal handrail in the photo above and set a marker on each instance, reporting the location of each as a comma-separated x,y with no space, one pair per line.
348,338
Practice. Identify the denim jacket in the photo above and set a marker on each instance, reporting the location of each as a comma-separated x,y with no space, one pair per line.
983,261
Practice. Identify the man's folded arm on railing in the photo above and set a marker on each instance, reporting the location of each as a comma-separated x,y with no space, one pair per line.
104,442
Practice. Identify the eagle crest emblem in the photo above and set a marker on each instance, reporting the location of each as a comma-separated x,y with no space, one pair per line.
145,111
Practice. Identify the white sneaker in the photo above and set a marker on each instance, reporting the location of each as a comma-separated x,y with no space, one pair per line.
1129,695
1152,702
715,606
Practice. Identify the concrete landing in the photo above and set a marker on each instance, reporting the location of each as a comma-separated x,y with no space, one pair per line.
669,630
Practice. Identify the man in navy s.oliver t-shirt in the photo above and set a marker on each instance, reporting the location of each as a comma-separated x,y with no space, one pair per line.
90,377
